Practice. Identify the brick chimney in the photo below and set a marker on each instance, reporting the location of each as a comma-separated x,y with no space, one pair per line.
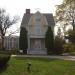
27,11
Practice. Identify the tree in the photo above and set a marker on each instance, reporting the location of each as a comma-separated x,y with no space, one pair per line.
14,32
71,36
59,32
58,42
58,45
5,23
23,41
49,40
59,13
70,12
66,13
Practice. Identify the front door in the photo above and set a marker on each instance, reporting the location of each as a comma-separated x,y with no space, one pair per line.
37,44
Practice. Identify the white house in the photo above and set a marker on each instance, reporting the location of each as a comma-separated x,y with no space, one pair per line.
36,25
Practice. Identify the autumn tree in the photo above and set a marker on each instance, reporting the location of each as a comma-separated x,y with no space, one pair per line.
66,13
5,22
71,36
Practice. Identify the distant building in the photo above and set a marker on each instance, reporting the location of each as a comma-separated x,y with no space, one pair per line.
0,41
11,43
36,25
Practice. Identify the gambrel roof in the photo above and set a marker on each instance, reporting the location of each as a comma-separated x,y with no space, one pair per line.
27,17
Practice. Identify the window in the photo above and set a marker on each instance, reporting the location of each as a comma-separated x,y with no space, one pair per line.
37,29
38,19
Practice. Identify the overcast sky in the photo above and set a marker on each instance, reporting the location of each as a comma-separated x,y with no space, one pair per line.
18,7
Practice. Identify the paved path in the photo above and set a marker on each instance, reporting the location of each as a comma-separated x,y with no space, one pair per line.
39,56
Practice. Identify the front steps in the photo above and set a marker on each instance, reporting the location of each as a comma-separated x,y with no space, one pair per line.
37,51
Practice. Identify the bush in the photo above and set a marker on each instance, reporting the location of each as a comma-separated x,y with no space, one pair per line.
58,45
72,53
4,58
69,47
9,52
71,36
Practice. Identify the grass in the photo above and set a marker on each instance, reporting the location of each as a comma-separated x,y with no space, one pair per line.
18,66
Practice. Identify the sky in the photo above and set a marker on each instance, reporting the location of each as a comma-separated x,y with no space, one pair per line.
18,7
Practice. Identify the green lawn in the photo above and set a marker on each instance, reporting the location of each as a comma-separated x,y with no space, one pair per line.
18,66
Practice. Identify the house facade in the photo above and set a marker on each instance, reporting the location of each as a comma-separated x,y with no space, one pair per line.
36,25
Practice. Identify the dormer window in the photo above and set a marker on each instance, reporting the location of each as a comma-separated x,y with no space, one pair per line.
38,19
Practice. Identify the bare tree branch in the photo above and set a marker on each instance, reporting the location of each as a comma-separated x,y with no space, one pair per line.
6,22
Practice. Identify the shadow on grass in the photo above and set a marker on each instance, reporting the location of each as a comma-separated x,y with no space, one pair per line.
2,69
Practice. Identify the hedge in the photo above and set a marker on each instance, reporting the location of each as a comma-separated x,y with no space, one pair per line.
4,58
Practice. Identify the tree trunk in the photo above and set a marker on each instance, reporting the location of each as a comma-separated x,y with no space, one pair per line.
73,25
3,43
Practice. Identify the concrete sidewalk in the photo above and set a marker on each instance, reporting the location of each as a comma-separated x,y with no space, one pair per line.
42,56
